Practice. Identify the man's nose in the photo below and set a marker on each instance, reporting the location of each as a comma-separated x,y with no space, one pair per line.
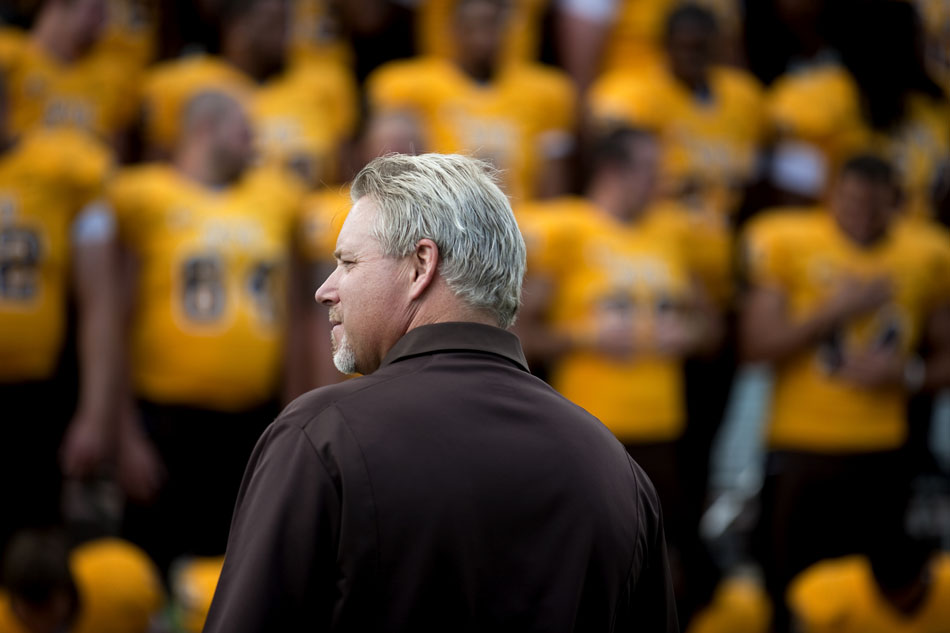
326,294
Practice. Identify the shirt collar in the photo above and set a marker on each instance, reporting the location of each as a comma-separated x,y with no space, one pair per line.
448,337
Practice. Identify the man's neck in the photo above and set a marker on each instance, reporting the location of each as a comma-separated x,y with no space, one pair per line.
194,163
481,72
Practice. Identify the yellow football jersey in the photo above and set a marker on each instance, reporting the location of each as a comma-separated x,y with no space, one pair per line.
321,220
209,324
636,38
120,589
300,117
842,596
44,181
193,586
521,41
740,605
805,256
98,93
710,147
316,34
818,105
919,149
603,270
506,122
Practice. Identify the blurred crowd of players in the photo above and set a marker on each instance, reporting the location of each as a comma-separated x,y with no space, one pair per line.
699,184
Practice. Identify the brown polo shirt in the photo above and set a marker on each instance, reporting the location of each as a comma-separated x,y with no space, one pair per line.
450,490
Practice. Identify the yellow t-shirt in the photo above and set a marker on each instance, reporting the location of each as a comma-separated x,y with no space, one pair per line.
300,117
710,147
521,41
510,122
209,323
44,182
98,93
842,596
804,256
321,221
603,269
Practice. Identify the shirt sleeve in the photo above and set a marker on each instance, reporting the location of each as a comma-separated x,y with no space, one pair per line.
652,605
278,570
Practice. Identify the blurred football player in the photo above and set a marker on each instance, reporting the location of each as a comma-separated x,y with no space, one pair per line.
839,301
302,115
101,586
209,241
616,299
58,76
54,244
709,117
519,117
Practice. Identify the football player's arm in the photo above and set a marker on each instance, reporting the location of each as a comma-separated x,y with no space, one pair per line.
279,569
94,261
542,343
140,471
704,327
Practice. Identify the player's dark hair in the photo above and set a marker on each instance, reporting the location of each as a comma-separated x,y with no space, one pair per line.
36,568
899,562
232,10
693,15
458,5
613,148
870,167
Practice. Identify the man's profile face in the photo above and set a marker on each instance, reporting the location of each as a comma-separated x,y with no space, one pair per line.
366,295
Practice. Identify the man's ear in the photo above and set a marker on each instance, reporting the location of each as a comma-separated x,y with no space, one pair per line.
424,267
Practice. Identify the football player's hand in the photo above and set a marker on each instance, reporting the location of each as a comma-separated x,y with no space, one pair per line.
855,297
873,369
139,467
674,335
85,446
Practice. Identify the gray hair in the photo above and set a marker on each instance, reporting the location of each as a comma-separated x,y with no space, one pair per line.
455,202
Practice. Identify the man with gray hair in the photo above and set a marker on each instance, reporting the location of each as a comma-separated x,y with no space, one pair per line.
446,489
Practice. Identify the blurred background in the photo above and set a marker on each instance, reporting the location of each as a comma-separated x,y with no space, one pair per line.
735,217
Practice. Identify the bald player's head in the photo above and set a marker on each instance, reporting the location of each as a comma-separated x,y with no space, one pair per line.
394,132
217,124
